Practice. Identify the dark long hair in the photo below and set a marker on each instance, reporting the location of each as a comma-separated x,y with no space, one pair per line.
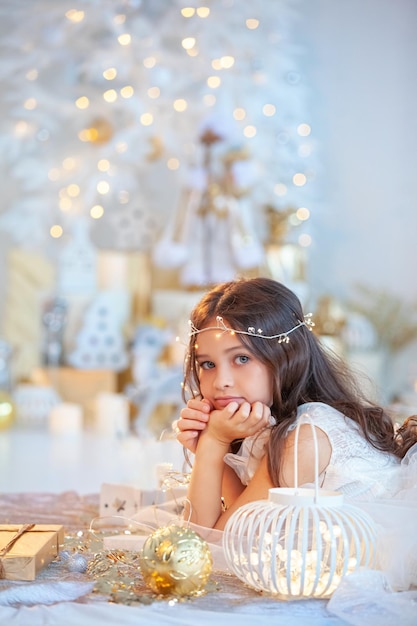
302,369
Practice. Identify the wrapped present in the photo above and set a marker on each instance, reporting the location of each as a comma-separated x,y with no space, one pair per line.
78,386
124,501
118,500
26,549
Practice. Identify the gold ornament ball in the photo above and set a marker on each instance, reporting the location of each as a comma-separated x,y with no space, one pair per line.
176,561
7,410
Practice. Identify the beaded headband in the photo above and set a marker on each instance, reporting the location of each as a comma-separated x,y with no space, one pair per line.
281,337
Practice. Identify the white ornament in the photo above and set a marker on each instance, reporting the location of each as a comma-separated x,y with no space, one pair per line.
100,343
77,263
300,543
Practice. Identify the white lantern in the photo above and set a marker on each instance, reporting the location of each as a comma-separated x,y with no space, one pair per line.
300,542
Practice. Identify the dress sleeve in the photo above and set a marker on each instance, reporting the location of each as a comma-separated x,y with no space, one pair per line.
245,462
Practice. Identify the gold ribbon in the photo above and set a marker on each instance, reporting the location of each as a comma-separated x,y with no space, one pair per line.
11,543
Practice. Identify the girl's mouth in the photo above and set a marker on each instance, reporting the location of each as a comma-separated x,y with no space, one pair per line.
222,402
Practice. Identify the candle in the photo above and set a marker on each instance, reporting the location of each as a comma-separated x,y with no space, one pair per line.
66,418
112,414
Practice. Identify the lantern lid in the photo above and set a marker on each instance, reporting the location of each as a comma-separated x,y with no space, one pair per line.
301,496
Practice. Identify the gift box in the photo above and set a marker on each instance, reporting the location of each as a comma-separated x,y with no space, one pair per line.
26,549
78,386
119,501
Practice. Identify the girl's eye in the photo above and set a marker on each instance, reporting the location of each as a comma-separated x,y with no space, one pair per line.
242,358
206,365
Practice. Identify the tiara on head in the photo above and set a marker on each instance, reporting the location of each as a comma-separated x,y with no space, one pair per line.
252,332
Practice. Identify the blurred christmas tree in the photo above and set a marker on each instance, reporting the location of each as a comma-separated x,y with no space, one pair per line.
103,107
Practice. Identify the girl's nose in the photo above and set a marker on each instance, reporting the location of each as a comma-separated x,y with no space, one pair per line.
223,378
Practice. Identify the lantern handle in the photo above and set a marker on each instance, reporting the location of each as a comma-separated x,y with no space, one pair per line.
316,457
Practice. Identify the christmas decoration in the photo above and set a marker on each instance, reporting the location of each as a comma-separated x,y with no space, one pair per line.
100,343
27,548
34,404
66,419
176,561
77,260
155,382
394,321
74,562
54,318
391,325
212,237
29,275
296,545
7,410
300,542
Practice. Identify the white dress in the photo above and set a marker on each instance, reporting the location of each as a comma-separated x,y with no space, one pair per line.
356,468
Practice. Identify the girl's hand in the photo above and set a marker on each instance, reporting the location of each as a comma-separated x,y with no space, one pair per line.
193,419
238,421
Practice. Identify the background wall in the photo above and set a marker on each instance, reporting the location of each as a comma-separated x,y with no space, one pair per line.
364,76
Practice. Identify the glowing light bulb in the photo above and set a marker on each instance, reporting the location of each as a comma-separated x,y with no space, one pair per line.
56,231
203,12
252,23
269,109
82,103
188,43
154,92
125,39
110,95
299,179
180,104
303,214
65,205
173,163
97,211
303,130
146,119
227,62
103,165
149,62
127,91
110,73
249,131
30,104
103,187
187,11
239,114
73,190
214,82
74,16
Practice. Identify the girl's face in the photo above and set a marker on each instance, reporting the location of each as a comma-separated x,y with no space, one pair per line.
228,371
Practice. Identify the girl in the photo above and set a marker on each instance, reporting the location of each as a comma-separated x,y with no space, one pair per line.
255,370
